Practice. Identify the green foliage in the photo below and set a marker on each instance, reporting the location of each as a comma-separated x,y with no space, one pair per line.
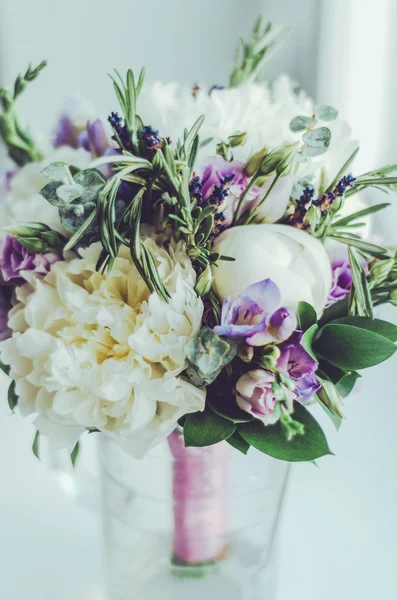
36,445
271,439
207,354
12,397
21,147
37,237
238,443
360,301
76,197
325,112
225,405
206,428
75,454
355,343
254,54
306,316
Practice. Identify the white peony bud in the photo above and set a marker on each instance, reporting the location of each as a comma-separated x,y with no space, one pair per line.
293,259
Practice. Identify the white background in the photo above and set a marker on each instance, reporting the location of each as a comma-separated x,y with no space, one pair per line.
339,525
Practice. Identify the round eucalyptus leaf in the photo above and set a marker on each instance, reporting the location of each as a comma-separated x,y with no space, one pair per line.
300,123
69,192
325,112
318,138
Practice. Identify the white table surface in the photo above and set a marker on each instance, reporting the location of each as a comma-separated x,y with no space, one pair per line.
338,531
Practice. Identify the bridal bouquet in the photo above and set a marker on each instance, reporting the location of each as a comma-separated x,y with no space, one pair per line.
197,263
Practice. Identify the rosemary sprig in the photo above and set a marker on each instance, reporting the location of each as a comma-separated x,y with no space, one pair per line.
20,146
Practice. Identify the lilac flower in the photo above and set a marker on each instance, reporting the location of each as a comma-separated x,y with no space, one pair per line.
15,258
254,317
297,363
341,279
66,133
5,306
94,138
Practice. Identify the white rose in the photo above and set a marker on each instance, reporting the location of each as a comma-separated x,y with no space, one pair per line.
294,260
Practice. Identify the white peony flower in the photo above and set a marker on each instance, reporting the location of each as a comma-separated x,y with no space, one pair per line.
262,111
23,202
293,259
100,352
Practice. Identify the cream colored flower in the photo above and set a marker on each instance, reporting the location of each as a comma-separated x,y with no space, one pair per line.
100,352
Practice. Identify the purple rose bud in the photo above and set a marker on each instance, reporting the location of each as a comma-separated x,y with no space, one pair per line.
15,259
94,138
255,395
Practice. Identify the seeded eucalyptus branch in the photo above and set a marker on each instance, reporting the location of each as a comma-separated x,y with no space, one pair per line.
20,146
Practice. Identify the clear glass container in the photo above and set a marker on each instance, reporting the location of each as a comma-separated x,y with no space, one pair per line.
196,523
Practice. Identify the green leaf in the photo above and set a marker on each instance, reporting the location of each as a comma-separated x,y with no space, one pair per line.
227,407
365,247
93,182
300,123
35,446
238,442
206,428
325,112
318,138
346,384
68,192
57,172
329,396
336,420
383,328
360,296
343,170
271,439
307,340
352,348
49,192
306,316
12,397
359,214
75,453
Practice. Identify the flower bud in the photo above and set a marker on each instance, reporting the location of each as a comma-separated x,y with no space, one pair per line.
223,150
392,298
26,229
254,162
277,160
204,282
237,139
269,356
33,244
381,270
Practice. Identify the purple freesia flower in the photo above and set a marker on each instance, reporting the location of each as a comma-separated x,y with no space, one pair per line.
5,306
255,395
297,363
341,278
254,316
94,138
15,258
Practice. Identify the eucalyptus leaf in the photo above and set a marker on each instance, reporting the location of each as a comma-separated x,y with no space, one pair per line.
318,138
49,192
93,182
206,428
300,123
68,192
271,439
57,172
325,112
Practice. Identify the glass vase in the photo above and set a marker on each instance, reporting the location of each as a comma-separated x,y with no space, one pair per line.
196,523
